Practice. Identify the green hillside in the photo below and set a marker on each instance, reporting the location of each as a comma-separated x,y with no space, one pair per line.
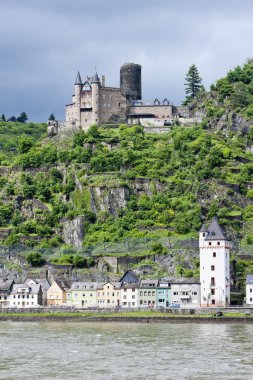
128,184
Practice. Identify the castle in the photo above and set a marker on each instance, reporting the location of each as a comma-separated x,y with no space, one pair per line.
95,103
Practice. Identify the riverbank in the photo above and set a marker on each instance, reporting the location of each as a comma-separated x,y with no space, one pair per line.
131,316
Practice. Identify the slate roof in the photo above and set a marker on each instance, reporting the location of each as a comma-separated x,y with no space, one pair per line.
32,289
78,79
180,280
63,285
149,283
84,286
129,277
216,232
203,228
249,279
95,78
116,285
5,285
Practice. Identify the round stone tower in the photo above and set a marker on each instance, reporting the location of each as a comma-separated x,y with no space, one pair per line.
95,100
130,81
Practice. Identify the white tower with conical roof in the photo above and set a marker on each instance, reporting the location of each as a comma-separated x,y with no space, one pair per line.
214,246
95,86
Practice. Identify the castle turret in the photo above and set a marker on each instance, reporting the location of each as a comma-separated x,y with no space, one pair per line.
95,88
78,92
214,246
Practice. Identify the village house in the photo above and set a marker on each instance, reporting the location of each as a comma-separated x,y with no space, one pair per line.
129,296
249,290
108,295
185,292
163,294
147,293
25,296
56,294
45,285
5,290
82,295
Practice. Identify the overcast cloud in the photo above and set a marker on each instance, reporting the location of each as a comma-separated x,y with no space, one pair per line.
44,42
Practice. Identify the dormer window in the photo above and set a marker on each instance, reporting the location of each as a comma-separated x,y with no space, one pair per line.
213,233
204,234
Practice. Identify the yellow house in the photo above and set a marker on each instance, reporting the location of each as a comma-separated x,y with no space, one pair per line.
108,295
56,294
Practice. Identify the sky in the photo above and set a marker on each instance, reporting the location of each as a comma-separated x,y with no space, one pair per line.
43,43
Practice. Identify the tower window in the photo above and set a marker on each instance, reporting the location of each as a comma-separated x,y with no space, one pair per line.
214,254
212,281
212,267
210,243
213,302
218,243
204,234
213,292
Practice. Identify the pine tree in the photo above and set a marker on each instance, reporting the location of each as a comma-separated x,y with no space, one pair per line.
51,117
22,118
3,118
193,83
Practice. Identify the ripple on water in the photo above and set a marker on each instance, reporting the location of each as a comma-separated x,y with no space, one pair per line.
65,351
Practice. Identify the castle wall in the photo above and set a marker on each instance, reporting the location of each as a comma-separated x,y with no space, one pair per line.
160,111
112,105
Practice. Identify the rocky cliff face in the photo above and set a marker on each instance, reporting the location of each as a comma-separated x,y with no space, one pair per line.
73,231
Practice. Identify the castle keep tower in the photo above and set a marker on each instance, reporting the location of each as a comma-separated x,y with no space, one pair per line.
130,81
214,246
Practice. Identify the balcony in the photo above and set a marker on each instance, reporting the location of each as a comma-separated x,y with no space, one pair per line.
185,297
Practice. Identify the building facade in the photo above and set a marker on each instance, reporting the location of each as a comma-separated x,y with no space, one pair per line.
214,246
26,296
108,295
82,295
56,294
249,290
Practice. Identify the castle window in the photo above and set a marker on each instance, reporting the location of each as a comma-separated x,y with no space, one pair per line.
119,104
214,254
104,105
213,292
212,267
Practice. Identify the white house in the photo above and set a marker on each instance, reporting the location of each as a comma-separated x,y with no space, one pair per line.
249,290
25,296
129,296
214,248
185,292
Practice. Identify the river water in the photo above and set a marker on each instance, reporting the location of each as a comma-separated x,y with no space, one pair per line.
108,351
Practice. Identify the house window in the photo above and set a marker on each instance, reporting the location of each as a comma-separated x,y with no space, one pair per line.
250,290
212,267
125,297
213,292
210,243
153,293
218,243
213,302
212,281
175,293
249,299
133,297
140,293
194,293
214,254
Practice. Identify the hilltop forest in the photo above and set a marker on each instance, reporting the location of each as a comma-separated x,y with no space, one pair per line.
125,184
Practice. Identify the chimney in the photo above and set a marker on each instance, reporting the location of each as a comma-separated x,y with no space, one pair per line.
103,81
